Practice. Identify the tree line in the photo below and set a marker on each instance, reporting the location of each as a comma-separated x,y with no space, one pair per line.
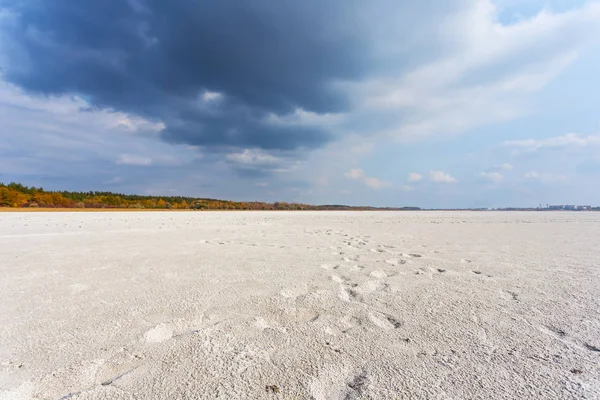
16,195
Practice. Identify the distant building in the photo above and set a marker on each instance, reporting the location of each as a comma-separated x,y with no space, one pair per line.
570,207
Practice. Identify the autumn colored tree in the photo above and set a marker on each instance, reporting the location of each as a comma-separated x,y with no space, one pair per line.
18,195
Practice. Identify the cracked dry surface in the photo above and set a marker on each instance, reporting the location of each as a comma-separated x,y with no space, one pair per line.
304,305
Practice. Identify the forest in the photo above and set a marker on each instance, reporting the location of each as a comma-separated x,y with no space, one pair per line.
16,195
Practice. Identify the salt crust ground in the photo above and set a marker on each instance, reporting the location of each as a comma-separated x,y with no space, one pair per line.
305,305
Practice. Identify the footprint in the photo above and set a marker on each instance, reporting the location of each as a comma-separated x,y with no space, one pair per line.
158,334
441,270
561,335
119,365
395,262
337,350
344,294
515,296
554,331
356,386
384,321
371,286
378,273
350,295
263,324
338,279
396,323
293,292
356,268
315,318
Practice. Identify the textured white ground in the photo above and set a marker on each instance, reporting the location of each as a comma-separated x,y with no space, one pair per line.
300,305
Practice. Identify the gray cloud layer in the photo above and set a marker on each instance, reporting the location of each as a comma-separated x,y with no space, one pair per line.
156,58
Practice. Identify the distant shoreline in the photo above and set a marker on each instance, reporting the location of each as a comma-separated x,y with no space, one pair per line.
18,197
41,209
82,210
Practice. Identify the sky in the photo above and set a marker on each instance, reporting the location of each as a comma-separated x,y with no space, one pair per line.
436,103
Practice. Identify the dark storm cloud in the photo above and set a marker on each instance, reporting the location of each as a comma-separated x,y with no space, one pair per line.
156,58
234,128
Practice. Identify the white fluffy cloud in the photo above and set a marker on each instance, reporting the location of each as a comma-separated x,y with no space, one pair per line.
441,177
499,65
254,157
494,177
375,183
414,177
371,182
546,177
305,118
356,173
61,137
67,111
132,159
570,140
261,162
208,97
